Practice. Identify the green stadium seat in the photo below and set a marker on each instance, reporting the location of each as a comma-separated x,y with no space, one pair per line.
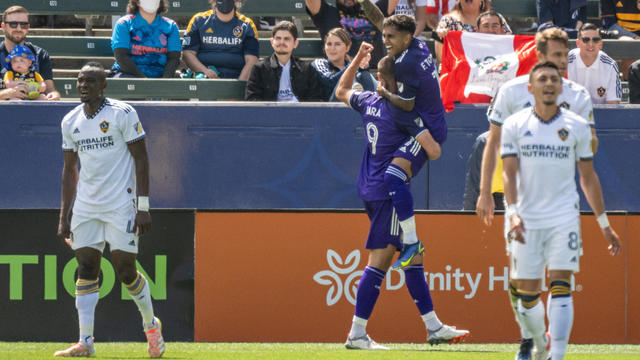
173,89
176,7
527,8
89,46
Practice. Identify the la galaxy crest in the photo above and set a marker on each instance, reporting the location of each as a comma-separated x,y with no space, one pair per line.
238,31
601,90
104,126
563,134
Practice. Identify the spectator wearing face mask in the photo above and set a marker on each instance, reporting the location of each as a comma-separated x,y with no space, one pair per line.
220,43
144,43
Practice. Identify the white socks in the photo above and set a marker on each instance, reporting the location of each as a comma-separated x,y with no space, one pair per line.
86,305
533,320
431,321
139,291
524,333
358,328
408,227
560,313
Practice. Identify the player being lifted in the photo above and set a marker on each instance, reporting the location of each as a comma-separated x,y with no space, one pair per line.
419,90
551,45
387,129
540,149
105,137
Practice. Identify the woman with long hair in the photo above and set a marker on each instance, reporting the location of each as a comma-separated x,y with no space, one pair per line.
336,47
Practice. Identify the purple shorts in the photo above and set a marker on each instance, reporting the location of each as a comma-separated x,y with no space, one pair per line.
385,226
412,151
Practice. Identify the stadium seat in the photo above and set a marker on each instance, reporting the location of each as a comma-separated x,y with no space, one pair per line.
308,48
527,8
176,7
170,89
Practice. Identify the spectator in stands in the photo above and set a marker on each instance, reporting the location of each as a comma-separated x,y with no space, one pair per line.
15,27
621,16
331,68
349,15
144,43
472,177
491,22
21,72
590,67
567,15
621,20
436,9
417,9
281,76
464,17
634,83
221,43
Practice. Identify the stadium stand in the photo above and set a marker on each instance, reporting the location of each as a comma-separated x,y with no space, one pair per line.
99,48
77,49
279,8
176,7
527,8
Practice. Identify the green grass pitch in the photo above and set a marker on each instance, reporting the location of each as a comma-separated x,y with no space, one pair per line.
32,351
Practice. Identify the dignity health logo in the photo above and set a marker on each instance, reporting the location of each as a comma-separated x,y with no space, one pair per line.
332,277
342,279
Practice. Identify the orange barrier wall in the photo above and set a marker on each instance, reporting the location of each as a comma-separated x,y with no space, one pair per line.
291,277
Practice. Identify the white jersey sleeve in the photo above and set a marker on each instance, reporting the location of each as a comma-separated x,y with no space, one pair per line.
499,109
67,141
509,139
584,107
613,82
130,126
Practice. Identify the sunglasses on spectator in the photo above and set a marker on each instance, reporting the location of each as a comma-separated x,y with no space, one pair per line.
14,24
594,39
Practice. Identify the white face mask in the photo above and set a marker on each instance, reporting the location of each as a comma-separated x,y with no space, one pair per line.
150,6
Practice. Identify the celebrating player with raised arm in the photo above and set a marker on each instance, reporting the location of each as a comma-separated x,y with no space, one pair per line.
106,137
551,45
387,129
540,149
419,90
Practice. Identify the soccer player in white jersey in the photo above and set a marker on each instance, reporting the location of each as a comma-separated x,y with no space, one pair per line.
106,138
540,148
592,68
551,45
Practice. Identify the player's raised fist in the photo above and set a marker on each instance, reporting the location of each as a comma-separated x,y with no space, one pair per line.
365,49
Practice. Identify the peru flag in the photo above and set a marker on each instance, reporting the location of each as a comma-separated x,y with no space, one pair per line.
474,65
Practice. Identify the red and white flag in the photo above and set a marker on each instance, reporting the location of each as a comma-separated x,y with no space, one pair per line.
475,65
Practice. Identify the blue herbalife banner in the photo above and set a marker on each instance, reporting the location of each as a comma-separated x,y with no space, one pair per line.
38,273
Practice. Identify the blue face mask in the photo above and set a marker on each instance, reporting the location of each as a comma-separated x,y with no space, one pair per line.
225,6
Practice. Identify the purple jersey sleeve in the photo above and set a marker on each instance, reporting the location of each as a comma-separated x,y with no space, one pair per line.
359,99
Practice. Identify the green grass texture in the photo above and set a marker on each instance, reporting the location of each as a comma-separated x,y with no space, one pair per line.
32,351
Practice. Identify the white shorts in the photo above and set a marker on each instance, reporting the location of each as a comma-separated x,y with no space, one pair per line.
114,227
559,248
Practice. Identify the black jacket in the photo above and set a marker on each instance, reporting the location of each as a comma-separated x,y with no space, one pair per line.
264,81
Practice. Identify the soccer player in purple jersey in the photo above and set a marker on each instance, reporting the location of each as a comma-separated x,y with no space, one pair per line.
387,129
419,91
